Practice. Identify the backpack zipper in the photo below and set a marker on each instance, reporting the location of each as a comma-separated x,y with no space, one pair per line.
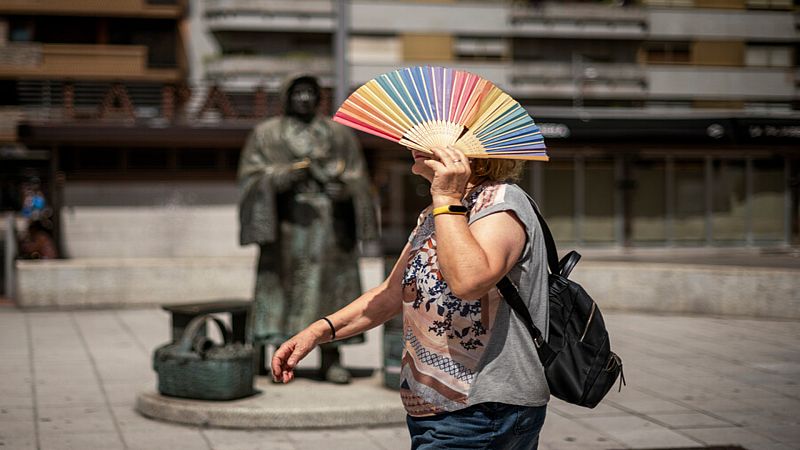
588,322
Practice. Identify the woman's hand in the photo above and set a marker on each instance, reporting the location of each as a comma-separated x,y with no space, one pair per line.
289,354
451,172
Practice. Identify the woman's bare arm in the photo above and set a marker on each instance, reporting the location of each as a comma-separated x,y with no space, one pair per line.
371,309
473,258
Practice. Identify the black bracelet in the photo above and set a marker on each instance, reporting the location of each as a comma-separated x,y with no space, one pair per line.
333,330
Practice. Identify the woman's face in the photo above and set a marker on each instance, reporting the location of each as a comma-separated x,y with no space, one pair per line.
419,167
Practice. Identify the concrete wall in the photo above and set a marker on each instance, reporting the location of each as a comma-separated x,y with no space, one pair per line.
630,286
152,220
80,283
132,282
692,289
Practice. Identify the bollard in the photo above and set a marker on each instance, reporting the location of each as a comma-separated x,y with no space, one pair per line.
10,254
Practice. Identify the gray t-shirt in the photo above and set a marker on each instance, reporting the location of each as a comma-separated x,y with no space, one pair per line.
510,371
460,352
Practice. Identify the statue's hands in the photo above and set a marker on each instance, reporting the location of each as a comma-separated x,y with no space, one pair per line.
289,354
299,170
336,190
286,175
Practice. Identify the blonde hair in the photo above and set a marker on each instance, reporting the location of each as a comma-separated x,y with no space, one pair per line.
496,169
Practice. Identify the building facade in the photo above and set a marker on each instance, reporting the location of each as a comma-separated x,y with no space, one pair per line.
669,123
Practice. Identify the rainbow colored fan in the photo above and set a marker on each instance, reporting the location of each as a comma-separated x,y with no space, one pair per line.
423,107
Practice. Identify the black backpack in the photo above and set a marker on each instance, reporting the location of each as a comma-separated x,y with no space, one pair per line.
577,358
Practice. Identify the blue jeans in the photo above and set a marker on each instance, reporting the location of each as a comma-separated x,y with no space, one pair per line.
483,426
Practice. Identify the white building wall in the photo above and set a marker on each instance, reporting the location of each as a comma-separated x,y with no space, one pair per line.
711,82
686,24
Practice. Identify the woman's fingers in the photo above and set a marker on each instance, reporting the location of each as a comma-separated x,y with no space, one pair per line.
433,164
288,355
283,362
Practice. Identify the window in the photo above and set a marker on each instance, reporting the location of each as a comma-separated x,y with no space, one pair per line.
481,48
667,52
768,56
375,49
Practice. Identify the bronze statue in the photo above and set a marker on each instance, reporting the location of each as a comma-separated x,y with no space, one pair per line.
306,202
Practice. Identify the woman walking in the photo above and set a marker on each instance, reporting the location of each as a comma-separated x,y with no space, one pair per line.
470,375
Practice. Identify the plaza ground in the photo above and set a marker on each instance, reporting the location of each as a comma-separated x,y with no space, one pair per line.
69,380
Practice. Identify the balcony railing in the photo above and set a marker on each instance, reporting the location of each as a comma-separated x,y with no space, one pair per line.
591,71
243,66
567,19
274,7
80,61
142,103
280,15
135,8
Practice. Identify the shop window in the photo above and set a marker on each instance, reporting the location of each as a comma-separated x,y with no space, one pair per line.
768,199
689,202
648,201
598,205
198,159
729,201
558,201
147,159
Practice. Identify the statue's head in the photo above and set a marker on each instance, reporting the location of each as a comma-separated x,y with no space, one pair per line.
302,98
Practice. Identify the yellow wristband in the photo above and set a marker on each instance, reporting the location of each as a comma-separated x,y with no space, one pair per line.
450,209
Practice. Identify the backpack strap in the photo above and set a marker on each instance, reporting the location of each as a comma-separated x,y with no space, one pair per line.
511,294
549,242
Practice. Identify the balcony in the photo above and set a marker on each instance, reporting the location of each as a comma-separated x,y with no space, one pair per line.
408,17
721,83
9,118
281,15
498,72
579,21
249,71
115,8
57,61
686,24
562,80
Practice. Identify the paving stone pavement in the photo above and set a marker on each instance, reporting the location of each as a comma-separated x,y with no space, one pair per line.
69,381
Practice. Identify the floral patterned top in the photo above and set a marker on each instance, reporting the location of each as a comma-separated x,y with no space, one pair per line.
445,336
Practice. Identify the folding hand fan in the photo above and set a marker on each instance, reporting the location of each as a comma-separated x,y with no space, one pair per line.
422,107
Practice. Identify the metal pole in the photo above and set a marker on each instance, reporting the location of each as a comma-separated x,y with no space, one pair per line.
11,252
669,199
580,195
709,200
577,81
787,201
340,51
748,196
620,192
